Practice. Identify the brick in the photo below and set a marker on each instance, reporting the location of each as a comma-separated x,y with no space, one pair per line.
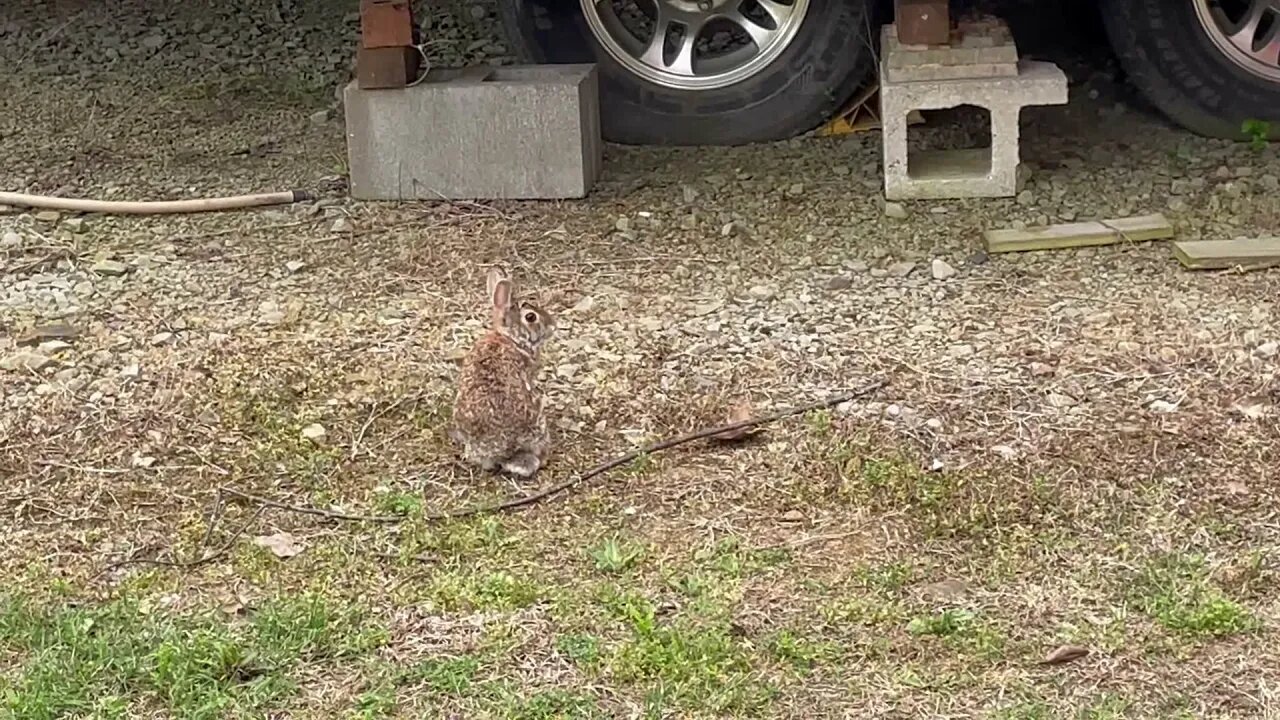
385,24
924,73
391,67
519,132
961,173
923,22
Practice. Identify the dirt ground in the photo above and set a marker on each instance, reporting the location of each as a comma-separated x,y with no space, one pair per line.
1075,451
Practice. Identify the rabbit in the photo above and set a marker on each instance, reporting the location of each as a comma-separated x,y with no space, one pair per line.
498,417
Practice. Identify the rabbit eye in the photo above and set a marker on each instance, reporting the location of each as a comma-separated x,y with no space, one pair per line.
531,317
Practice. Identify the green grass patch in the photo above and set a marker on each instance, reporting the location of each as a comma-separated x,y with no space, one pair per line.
1175,590
106,660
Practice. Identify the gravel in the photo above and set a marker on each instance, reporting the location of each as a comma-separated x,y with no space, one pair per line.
687,276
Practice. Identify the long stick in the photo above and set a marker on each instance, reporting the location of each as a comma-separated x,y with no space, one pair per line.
158,207
658,447
600,469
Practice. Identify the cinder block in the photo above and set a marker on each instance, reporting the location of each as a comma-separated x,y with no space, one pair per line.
987,172
517,132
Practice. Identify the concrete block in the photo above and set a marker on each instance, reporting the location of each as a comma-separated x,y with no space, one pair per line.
985,172
518,132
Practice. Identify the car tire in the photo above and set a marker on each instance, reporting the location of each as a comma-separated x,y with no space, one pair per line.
828,58
1172,58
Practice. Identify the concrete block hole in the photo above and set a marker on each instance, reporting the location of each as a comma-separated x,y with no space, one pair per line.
954,142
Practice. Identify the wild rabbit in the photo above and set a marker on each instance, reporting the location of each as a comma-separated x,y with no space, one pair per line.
498,417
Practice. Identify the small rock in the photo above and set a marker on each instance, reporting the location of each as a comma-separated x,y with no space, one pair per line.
839,282
130,371
41,333
979,258
795,190
623,224
142,461
341,225
901,269
162,338
110,268
10,239
941,269
319,117
1004,451
282,545
53,347
314,432
1060,400
1163,406
894,410
47,216
74,224
947,590
1038,369
1268,349
25,362
894,210
583,305
933,424
294,266
1026,197
793,516
1177,204
762,292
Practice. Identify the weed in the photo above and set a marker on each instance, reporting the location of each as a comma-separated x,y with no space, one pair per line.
1257,131
614,555
583,649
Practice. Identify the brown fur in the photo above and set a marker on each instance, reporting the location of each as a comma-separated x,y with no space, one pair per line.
498,416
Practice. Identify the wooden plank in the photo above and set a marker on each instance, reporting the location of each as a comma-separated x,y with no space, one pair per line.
1249,253
1140,228
1080,234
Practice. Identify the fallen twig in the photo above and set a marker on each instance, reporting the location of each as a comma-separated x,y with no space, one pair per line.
600,469
264,504
222,550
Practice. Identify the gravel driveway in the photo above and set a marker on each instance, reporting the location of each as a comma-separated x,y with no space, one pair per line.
1101,417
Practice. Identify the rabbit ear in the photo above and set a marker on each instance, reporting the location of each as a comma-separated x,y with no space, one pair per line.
502,295
495,276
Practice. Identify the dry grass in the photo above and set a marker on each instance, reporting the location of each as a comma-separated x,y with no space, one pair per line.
862,561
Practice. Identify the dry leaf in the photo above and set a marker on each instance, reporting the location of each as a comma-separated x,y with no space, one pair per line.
741,412
1064,654
282,545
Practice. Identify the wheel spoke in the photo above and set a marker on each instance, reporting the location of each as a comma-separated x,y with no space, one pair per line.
777,11
683,62
1241,35
655,53
759,35
1270,51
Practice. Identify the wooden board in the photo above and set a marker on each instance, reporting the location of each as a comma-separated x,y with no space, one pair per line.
1251,253
1081,234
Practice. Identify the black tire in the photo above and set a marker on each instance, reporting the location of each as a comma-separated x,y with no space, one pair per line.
1174,63
825,63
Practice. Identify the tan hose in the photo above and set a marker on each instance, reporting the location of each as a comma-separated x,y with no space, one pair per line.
161,207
